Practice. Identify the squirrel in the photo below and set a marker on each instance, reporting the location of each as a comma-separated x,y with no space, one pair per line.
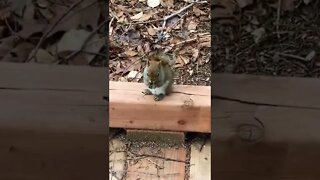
158,75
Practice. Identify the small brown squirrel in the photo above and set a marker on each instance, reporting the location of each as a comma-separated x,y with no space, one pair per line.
158,75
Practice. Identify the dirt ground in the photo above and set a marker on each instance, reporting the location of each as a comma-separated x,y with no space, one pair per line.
267,38
136,29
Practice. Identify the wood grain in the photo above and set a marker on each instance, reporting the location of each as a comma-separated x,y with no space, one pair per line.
152,168
265,128
187,109
53,122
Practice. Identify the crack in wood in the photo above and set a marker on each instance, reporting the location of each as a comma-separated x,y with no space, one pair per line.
45,89
261,104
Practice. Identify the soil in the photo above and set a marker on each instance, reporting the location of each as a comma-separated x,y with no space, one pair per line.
286,44
131,40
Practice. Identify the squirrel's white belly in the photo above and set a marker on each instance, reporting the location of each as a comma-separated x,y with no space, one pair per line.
161,89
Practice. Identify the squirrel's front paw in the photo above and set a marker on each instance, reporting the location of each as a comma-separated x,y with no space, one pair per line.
147,92
158,97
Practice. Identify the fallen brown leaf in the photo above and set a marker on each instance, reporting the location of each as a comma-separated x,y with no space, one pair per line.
198,12
130,53
287,5
192,25
20,53
137,16
151,31
244,3
145,17
6,45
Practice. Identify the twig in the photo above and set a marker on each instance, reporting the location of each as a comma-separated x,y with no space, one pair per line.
145,22
85,42
292,56
160,167
160,157
9,27
278,18
110,24
175,13
179,43
44,36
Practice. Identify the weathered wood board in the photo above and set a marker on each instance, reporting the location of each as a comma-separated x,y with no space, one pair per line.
188,108
52,127
167,167
200,161
265,128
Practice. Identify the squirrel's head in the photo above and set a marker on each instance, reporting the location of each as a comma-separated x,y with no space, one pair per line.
154,68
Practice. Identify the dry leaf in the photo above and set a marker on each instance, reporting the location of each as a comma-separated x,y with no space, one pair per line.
145,17
6,45
195,54
70,41
30,27
20,53
29,11
80,59
137,16
307,1
192,25
172,21
130,53
17,6
311,55
119,14
185,59
44,57
153,3
198,12
258,34
132,75
151,31
46,13
287,5
73,41
5,13
167,3
244,3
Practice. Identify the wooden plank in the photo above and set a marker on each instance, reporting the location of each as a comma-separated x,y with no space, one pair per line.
153,168
54,77
52,127
200,161
53,111
184,110
283,91
117,159
34,155
278,142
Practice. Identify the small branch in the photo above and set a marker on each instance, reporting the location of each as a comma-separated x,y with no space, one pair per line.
10,29
44,36
278,18
292,56
175,13
185,41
